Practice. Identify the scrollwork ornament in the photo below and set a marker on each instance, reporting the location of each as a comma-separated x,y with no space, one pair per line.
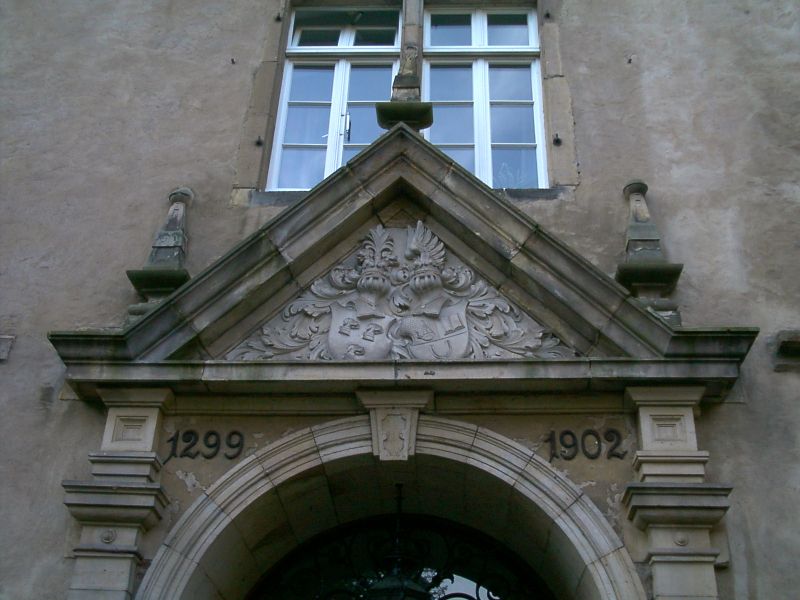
420,305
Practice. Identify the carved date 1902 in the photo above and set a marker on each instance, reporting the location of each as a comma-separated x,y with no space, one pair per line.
211,444
588,442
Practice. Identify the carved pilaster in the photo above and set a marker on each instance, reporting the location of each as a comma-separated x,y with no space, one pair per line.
122,500
393,419
672,503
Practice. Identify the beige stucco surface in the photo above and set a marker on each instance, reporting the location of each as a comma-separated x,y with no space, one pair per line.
107,106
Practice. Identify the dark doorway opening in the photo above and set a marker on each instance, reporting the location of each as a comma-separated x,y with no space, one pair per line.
433,558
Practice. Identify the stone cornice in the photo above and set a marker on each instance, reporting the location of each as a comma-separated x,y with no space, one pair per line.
584,307
573,376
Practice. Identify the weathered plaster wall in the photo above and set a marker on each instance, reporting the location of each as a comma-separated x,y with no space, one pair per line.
109,105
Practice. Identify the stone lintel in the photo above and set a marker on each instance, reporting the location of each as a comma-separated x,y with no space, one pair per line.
676,503
115,502
393,419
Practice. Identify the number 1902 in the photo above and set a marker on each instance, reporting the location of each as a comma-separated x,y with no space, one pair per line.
567,444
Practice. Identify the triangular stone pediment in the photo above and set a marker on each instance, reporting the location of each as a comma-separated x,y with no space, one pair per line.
475,280
401,295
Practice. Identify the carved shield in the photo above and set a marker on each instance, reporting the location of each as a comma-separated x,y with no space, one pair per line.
354,337
436,336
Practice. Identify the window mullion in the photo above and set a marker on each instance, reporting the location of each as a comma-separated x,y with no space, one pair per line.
479,29
280,128
347,37
333,157
538,125
480,95
426,84
533,29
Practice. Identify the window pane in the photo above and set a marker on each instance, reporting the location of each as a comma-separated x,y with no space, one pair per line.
301,167
452,124
311,83
364,126
463,156
451,30
510,83
451,83
370,83
374,18
350,151
512,124
345,17
318,37
508,30
307,125
514,168
375,37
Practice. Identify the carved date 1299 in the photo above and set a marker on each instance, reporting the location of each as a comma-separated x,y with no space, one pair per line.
211,444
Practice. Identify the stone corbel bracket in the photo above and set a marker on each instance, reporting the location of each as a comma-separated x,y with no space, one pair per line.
787,350
122,503
676,504
393,417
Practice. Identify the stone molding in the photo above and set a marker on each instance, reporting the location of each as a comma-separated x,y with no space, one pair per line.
676,504
585,308
131,503
579,375
599,565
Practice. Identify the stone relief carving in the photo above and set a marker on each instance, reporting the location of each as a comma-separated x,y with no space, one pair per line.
394,428
380,304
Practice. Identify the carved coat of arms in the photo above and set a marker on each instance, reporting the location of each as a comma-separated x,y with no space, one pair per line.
417,305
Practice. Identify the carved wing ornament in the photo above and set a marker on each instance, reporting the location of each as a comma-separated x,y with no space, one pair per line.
421,305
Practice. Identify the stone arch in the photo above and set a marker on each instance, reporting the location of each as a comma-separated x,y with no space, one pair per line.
327,475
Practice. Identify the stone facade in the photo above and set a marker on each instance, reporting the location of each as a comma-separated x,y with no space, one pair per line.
622,448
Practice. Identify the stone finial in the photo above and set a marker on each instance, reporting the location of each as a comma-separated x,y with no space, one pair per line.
645,270
163,272
405,106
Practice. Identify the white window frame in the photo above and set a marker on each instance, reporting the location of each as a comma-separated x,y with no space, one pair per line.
481,55
341,57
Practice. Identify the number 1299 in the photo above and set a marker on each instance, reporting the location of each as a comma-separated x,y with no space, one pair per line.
211,444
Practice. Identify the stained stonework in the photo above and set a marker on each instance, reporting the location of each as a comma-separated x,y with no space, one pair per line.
401,296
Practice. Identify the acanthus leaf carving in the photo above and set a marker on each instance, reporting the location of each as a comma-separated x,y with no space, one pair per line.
422,305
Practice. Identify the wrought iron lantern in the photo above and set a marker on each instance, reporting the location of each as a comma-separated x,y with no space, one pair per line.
396,586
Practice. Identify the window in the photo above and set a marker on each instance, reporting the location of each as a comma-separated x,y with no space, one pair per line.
482,75
339,64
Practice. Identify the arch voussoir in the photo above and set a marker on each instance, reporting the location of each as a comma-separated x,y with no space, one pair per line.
549,522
